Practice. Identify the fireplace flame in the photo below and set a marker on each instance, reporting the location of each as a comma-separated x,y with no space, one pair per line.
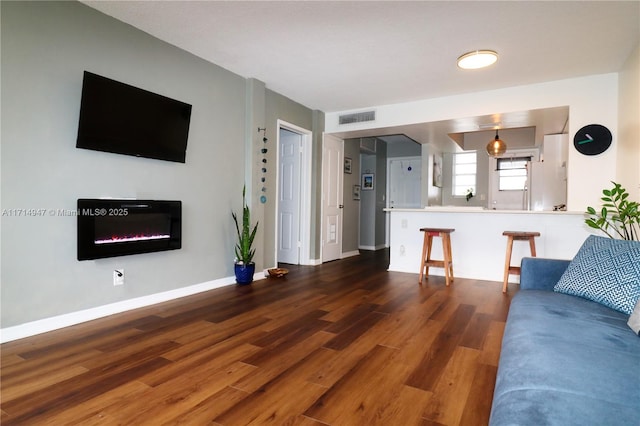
131,238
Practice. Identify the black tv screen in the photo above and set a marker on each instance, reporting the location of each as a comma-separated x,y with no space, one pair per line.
119,118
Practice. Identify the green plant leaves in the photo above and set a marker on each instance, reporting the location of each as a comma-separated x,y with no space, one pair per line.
618,217
243,249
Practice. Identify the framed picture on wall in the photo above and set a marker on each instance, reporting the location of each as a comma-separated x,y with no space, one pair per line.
356,192
437,170
347,165
367,181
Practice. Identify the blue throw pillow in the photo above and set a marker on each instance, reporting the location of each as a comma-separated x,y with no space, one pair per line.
606,271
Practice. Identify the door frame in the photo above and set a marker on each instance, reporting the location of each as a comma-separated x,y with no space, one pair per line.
305,190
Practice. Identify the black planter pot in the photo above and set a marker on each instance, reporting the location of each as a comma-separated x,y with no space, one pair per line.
244,273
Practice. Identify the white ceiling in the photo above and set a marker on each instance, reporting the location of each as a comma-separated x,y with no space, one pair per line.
342,55
345,55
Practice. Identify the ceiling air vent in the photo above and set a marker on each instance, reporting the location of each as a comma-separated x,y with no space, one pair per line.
357,117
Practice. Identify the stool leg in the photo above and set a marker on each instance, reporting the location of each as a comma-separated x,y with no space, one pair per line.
424,257
446,252
507,263
532,246
426,254
450,256
429,245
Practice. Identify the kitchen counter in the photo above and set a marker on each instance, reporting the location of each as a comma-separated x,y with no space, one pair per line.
460,209
477,245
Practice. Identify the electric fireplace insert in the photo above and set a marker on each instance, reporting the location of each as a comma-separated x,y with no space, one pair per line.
108,227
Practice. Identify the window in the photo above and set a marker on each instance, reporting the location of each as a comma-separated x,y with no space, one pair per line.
464,173
512,173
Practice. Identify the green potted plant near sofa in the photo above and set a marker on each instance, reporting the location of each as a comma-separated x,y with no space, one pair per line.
244,265
618,217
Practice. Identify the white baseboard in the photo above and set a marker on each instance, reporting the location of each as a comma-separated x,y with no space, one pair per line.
404,268
373,248
349,254
65,320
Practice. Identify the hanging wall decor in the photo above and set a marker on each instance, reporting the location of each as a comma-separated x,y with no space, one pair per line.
437,170
367,181
263,151
347,165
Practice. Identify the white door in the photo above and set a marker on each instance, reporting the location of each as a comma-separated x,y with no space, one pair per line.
289,197
332,179
404,182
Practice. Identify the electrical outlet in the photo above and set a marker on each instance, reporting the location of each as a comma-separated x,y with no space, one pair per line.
118,277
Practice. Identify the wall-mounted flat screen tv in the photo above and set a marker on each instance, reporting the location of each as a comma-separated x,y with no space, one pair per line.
119,118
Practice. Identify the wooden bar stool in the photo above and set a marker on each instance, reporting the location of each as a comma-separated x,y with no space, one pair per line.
518,236
426,260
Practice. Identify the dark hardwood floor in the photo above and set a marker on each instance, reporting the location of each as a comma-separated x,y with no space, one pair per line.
344,343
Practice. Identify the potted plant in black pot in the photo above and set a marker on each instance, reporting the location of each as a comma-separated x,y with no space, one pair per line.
244,266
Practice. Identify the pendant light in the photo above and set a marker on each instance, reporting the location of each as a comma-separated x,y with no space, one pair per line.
496,147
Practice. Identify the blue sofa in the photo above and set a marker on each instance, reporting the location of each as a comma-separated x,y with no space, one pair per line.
565,360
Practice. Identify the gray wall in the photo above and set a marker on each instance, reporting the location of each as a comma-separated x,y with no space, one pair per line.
45,49
351,211
381,193
280,107
316,183
372,216
403,149
368,204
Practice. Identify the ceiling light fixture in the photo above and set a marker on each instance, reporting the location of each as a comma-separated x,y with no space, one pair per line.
477,59
496,147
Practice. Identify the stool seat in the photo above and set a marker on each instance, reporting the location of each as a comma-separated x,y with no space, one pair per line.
517,235
511,237
426,261
437,230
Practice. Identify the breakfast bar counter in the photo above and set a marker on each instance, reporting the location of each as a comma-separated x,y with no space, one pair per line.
478,246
